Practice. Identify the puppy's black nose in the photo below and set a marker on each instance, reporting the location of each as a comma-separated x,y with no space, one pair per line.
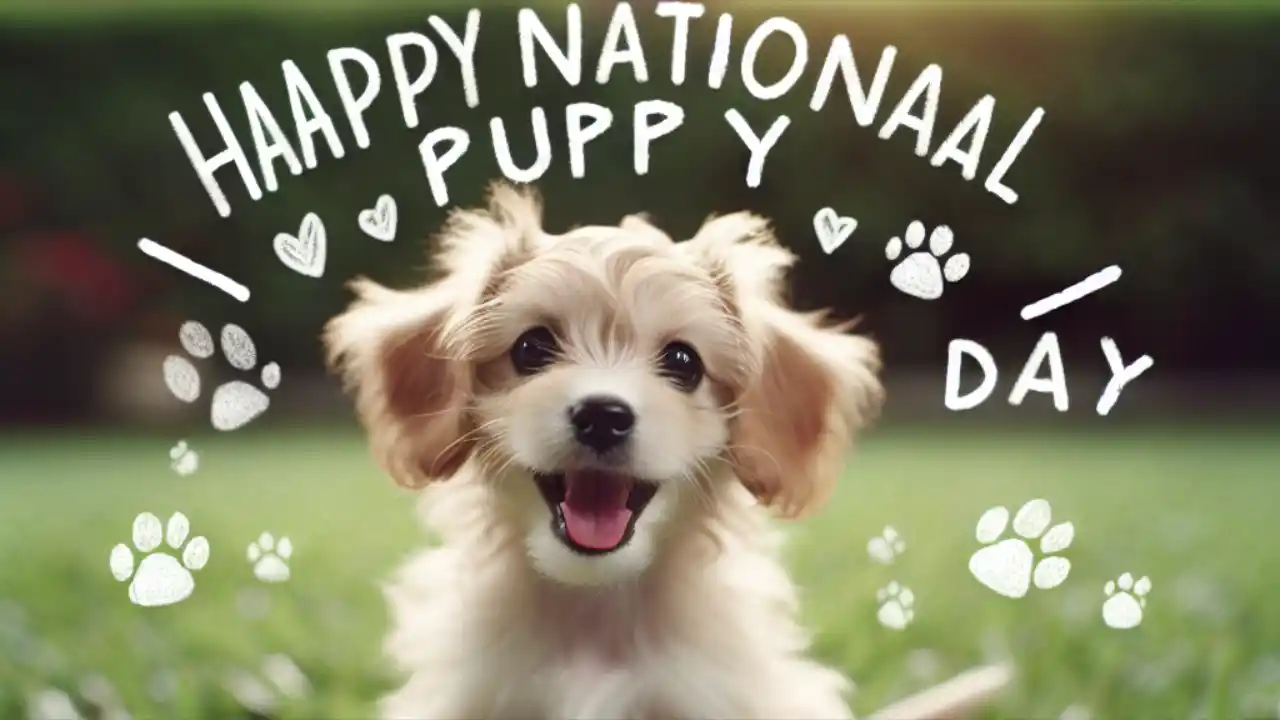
601,422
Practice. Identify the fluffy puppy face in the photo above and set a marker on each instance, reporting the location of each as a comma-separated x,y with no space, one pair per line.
604,381
601,363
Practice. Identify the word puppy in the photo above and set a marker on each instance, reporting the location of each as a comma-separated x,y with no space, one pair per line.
602,422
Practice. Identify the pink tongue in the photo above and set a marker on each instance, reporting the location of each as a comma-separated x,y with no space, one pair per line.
595,509
595,529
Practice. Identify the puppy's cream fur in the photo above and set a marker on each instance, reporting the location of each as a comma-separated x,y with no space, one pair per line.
695,617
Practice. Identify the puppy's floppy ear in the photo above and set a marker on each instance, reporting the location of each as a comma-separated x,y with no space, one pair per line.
404,355
810,384
411,396
815,387
641,226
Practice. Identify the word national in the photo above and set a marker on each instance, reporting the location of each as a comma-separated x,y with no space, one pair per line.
357,78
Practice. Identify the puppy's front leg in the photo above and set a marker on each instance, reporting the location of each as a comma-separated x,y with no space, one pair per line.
427,698
816,693
797,689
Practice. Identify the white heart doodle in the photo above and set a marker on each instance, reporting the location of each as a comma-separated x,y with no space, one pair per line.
305,252
379,222
832,229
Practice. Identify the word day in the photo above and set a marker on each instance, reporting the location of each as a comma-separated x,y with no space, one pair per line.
1048,352
356,77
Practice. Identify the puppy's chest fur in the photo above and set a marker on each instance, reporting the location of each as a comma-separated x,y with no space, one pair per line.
714,649
605,654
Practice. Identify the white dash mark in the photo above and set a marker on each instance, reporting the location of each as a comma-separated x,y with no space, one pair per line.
1087,286
194,269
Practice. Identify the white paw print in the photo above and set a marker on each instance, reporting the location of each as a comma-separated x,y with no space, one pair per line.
921,274
235,403
160,579
1009,566
897,606
886,546
269,558
1125,601
51,704
183,460
1076,712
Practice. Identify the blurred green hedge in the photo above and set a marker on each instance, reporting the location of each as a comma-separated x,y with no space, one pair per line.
1151,155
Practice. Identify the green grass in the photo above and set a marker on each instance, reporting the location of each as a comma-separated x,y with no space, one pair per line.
1193,510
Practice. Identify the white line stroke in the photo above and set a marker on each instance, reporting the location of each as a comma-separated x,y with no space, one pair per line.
194,269
1087,286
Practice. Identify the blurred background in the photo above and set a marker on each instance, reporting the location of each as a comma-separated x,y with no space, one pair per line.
1155,154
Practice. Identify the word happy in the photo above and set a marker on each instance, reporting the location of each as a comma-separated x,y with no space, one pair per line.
358,81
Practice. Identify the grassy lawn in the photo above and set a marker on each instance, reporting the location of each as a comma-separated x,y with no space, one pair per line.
1193,510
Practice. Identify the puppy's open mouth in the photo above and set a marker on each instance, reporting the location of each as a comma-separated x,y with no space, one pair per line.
594,512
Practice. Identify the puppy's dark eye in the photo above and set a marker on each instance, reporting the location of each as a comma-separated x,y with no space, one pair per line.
535,349
680,364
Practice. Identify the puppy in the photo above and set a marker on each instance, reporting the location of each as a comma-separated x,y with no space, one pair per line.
601,423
